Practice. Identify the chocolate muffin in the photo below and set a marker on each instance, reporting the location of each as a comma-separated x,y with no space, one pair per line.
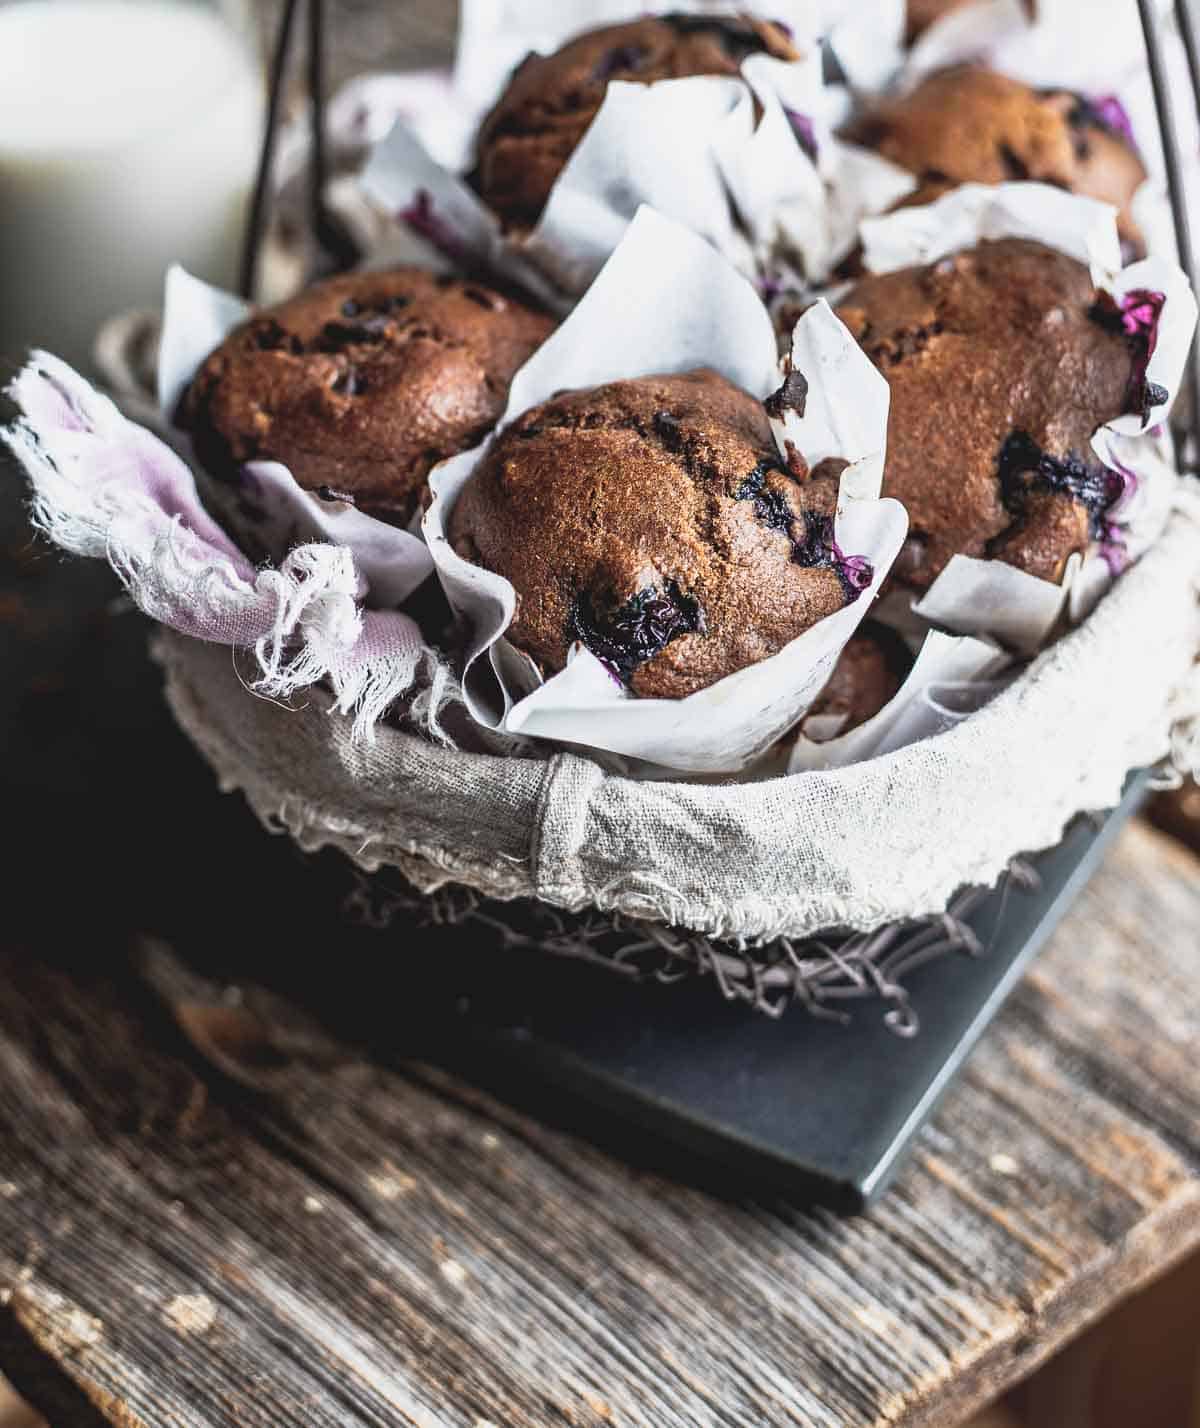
652,520
866,678
968,124
535,127
1002,361
362,383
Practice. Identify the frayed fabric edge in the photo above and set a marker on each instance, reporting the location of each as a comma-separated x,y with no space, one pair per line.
102,487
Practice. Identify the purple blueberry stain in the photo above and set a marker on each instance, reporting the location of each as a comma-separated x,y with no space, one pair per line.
1137,315
856,571
622,59
423,219
636,631
1109,113
805,132
1123,485
770,286
1105,492
812,536
1141,311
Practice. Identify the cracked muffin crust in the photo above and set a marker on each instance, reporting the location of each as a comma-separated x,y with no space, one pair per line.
362,383
1003,361
866,678
968,124
652,520
535,127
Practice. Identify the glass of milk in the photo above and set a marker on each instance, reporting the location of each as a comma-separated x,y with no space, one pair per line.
129,134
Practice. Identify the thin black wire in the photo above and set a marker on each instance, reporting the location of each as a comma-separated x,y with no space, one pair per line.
335,244
262,182
1151,26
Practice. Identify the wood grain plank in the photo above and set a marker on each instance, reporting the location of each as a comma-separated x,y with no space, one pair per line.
215,1211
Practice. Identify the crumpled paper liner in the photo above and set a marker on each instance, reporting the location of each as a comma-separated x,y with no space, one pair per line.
719,155
951,677
987,598
641,317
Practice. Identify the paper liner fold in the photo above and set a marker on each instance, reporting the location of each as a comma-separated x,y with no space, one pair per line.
951,676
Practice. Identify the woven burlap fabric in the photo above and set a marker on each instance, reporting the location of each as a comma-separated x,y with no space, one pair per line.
886,840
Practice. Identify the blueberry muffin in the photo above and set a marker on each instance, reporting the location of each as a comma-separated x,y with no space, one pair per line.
1002,361
969,124
362,383
535,127
866,678
652,520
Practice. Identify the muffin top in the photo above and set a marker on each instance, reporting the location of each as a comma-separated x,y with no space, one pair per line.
866,678
652,520
968,124
362,383
1003,361
923,13
526,140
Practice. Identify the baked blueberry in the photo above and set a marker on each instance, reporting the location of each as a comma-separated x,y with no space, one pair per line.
653,521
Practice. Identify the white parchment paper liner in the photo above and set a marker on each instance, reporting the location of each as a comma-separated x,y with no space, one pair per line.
865,36
689,148
986,597
814,211
957,665
393,562
666,302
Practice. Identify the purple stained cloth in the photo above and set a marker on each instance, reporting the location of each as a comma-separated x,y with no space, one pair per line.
107,488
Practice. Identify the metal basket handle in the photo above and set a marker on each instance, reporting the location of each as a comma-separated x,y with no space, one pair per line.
1153,25
325,229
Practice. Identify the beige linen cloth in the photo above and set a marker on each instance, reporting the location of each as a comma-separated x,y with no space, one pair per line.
855,848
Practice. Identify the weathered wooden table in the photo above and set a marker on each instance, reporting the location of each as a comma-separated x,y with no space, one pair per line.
229,1194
